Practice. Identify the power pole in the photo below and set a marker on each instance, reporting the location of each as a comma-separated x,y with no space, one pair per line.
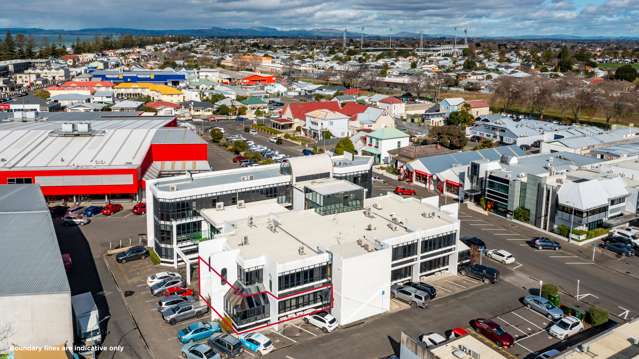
421,40
466,37
344,39
390,39
361,40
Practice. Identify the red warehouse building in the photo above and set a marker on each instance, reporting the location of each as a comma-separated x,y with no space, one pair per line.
93,155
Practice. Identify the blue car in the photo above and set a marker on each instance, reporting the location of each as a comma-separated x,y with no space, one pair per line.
197,331
92,211
257,343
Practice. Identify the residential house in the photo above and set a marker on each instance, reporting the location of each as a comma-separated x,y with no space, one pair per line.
393,106
323,120
450,105
297,111
479,108
379,142
371,119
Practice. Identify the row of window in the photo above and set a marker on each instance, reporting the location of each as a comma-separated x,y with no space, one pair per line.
582,214
322,297
297,278
251,275
434,264
406,250
21,180
402,273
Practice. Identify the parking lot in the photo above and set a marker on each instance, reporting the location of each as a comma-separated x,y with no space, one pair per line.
453,284
529,330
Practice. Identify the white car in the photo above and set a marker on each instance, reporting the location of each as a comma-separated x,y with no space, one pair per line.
160,277
323,320
253,132
566,327
501,255
257,343
273,139
75,220
431,339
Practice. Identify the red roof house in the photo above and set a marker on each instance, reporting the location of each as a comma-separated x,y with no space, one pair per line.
352,91
391,100
252,80
352,109
477,103
162,104
299,110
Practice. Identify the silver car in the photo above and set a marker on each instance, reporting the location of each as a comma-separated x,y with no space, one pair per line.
184,311
411,295
171,300
543,306
159,288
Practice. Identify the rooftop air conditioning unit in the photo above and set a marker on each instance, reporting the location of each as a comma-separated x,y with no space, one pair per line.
300,250
634,340
84,127
67,127
241,204
172,188
219,206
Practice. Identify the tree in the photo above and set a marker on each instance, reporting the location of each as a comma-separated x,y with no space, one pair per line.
461,118
41,93
507,92
470,64
223,110
566,61
29,48
540,90
239,146
550,292
522,214
8,47
626,73
344,145
384,71
241,111
614,100
596,316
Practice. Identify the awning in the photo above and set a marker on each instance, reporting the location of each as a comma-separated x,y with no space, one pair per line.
422,173
372,150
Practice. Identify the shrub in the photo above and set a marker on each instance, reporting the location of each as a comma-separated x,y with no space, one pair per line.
563,230
482,202
596,316
522,214
155,259
550,292
345,144
216,135
327,135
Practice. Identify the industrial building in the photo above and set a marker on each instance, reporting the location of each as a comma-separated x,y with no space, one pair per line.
95,154
34,291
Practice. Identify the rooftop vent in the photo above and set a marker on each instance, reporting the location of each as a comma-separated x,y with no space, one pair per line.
219,206
300,250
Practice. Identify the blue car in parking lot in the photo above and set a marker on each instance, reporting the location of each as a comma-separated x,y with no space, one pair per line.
92,210
543,306
197,331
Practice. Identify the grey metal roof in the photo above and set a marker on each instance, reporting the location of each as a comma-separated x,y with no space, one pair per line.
29,251
219,178
176,135
440,163
537,163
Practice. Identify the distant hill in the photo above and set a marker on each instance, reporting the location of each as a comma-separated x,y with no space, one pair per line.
294,33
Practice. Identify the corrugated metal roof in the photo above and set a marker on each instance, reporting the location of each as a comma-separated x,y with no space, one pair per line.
176,135
440,163
29,251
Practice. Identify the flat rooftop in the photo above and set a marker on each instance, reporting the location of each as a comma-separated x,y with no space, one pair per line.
29,251
328,186
221,178
281,235
114,143
613,344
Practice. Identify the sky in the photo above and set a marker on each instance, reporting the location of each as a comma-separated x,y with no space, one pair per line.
480,17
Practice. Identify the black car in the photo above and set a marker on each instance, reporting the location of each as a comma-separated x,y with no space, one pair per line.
619,239
432,291
480,272
226,344
474,241
544,243
133,253
619,248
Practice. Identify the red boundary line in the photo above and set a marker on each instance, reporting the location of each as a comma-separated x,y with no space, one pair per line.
199,281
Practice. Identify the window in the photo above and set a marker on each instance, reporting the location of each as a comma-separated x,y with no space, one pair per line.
434,264
402,251
304,276
401,273
439,242
20,180
251,275
223,280
322,297
616,201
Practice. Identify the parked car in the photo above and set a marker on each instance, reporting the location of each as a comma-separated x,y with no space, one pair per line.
139,208
92,211
492,331
279,157
79,220
226,344
111,208
253,131
171,300
133,253
474,241
74,211
67,261
323,320
199,351
481,272
307,152
257,343
501,256
412,296
543,306
159,288
197,331
619,248
629,233
183,292
432,291
456,333
184,311
273,139
431,339
566,327
238,158
548,354
544,243
161,277
404,191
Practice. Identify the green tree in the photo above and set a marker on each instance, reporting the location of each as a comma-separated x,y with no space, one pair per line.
223,110
626,73
470,64
216,135
596,316
8,47
461,118
29,48
384,71
241,111
551,292
239,146
522,214
566,61
344,145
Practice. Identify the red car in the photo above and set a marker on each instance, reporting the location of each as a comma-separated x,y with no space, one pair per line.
68,263
238,158
405,191
111,208
182,292
139,208
492,331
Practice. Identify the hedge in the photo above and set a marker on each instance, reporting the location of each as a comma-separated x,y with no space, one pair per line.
596,316
153,256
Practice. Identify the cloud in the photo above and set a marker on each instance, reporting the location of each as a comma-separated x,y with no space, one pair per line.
486,17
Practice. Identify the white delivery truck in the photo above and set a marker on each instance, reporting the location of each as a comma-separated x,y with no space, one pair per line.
87,319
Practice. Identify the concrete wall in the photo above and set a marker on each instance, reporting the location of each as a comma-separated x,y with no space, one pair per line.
361,285
37,320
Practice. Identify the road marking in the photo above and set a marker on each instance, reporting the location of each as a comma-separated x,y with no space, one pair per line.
533,324
518,266
517,239
304,330
479,224
495,229
530,351
539,314
504,234
249,353
283,336
503,320
471,220
576,263
289,357
563,256
141,285
458,285
530,336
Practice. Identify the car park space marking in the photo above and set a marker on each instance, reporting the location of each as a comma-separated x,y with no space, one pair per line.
141,285
289,357
526,320
539,314
304,330
504,234
577,263
457,284
517,239
249,353
479,224
283,336
513,326
526,349
564,256
519,265
494,229
530,336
